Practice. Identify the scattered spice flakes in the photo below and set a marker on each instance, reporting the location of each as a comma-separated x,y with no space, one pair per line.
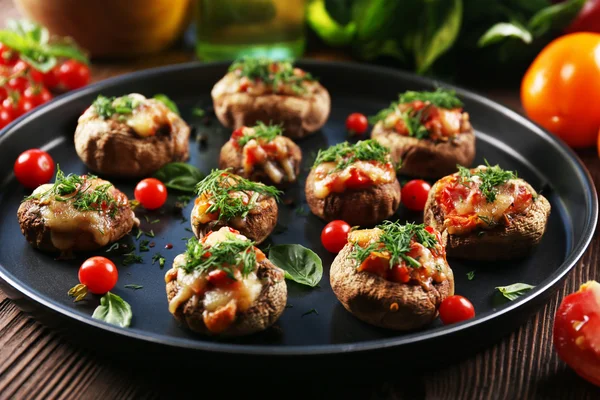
168,246
132,258
161,260
471,275
311,311
134,286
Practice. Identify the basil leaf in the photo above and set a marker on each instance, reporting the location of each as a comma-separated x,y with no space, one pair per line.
514,291
300,264
163,98
66,50
179,176
113,310
330,30
505,30
339,10
556,16
441,28
30,30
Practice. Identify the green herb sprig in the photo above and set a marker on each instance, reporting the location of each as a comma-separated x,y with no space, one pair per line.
396,239
491,177
106,107
262,131
259,69
220,184
345,153
233,252
83,197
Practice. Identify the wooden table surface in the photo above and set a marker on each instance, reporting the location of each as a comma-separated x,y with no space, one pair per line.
37,363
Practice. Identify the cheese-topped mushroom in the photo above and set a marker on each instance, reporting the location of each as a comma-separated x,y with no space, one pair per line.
428,131
130,136
261,89
261,153
223,285
75,213
226,199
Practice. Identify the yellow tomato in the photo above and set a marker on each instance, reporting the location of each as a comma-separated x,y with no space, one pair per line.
561,89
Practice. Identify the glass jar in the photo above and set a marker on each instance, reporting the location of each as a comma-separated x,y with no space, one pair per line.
228,29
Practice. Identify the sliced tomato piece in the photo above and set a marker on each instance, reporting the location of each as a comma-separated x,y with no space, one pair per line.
358,180
376,265
399,273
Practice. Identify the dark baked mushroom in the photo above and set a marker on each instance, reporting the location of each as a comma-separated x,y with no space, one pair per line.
394,276
262,154
260,89
130,136
355,183
428,131
487,213
224,286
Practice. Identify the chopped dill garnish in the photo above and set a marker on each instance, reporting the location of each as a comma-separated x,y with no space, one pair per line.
311,311
491,177
198,112
471,275
218,187
344,154
78,190
271,72
134,286
233,252
161,260
261,131
144,245
132,258
106,107
150,233
396,240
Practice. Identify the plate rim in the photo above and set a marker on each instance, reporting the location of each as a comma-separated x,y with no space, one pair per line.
575,254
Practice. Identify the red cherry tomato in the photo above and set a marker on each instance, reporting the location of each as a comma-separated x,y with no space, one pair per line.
8,56
414,194
33,168
358,180
151,193
37,94
399,273
50,79
335,235
357,123
98,274
73,74
456,309
10,104
577,331
18,84
219,278
21,67
25,105
6,117
3,93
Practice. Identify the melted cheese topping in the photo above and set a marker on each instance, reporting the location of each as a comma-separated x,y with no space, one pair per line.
327,181
272,157
213,298
440,122
233,83
66,223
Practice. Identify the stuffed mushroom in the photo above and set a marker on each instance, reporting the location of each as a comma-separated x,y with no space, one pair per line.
393,276
75,213
260,89
130,136
428,131
355,183
224,286
487,213
262,154
226,199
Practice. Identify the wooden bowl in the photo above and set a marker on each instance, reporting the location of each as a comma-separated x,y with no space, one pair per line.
112,28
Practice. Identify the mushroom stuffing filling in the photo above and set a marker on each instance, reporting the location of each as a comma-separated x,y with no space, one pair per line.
436,116
258,76
223,196
354,167
264,147
146,117
409,254
220,272
482,198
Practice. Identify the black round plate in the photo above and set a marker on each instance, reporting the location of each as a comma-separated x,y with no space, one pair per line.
330,334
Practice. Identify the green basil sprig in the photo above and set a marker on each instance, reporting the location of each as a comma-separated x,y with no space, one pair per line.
35,46
163,98
300,264
514,291
179,176
113,310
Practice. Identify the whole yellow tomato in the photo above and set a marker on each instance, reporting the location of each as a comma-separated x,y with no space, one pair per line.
561,89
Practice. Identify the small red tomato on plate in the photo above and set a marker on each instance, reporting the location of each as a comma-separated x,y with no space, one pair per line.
577,331
8,56
98,274
73,74
357,123
456,309
33,168
414,194
21,67
151,193
335,235
6,117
